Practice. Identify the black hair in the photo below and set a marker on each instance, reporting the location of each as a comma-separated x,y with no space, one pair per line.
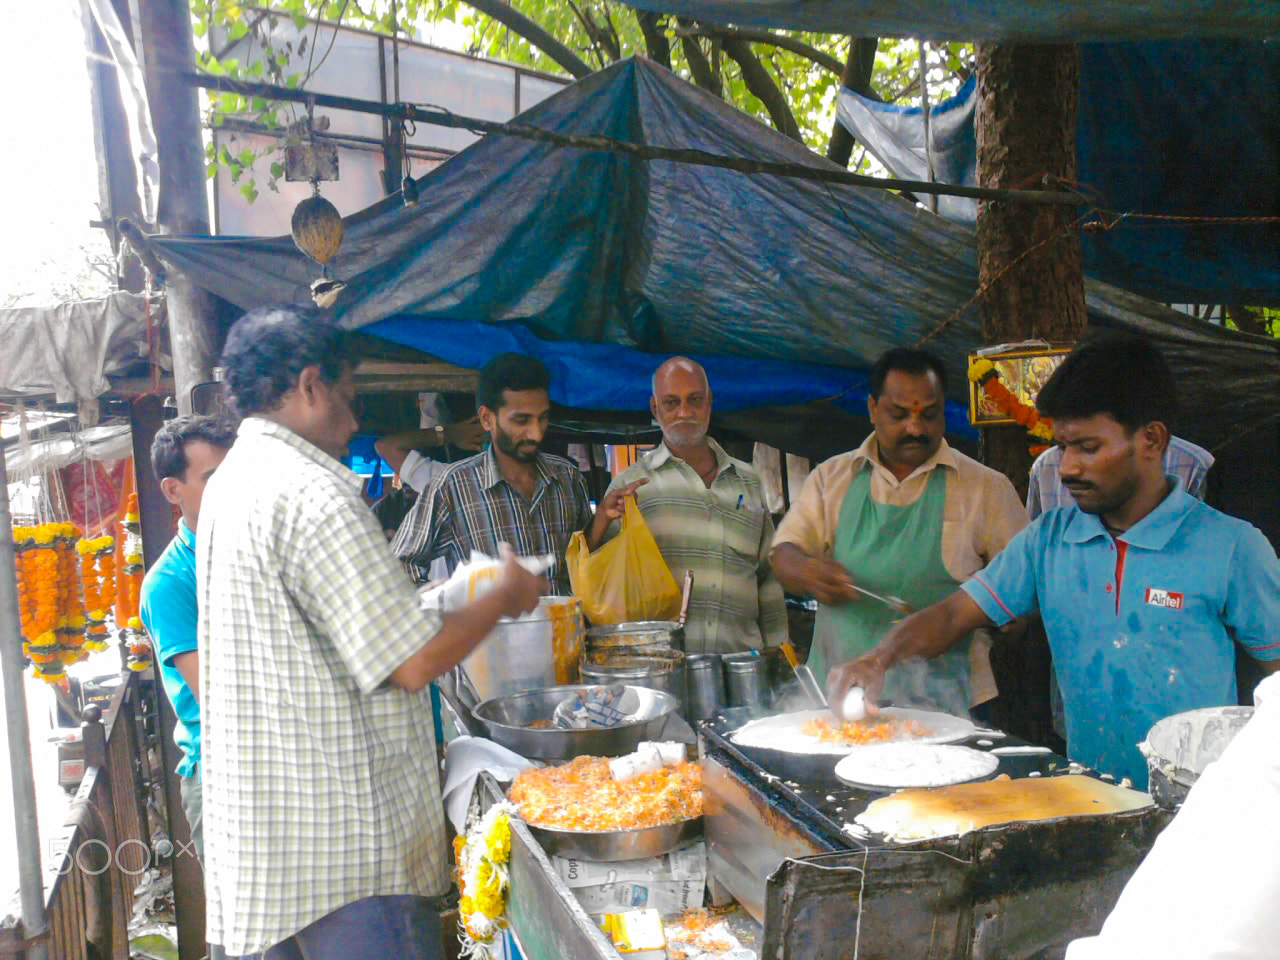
1121,375
510,371
905,360
269,347
169,448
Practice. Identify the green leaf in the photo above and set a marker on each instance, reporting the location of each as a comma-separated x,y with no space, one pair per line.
277,169
246,158
211,170
249,191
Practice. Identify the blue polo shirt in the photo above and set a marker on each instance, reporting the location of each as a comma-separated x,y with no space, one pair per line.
1140,627
167,606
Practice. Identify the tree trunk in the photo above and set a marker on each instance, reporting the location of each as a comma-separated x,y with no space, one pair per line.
166,50
857,77
1026,123
655,37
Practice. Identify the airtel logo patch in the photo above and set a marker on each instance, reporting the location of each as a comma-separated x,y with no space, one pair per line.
1164,598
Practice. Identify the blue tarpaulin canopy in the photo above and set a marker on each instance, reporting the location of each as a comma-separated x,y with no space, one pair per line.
1177,129
605,264
1008,20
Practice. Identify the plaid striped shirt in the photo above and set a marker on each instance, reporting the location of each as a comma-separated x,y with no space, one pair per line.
723,534
320,782
470,506
1183,460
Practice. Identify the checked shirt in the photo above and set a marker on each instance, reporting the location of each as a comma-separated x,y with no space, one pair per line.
471,507
320,783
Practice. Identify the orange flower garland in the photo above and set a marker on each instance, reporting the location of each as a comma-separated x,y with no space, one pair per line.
97,578
49,597
983,372
132,633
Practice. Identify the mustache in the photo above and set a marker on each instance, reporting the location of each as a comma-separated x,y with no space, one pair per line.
1077,485
914,442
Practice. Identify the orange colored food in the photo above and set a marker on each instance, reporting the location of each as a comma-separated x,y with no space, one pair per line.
866,731
581,795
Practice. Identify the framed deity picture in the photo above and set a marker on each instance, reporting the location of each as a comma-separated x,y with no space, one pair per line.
1023,372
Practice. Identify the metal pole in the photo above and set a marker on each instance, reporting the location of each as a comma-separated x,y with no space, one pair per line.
27,827
924,111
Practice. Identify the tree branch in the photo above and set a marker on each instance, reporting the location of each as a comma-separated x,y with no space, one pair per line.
521,25
588,27
856,77
699,68
762,86
655,38
779,40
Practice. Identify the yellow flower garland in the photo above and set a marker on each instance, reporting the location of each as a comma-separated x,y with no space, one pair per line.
483,855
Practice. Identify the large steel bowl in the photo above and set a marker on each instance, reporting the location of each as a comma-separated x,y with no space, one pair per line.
510,721
614,845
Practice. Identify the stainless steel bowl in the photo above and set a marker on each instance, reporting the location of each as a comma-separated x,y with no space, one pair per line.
613,845
510,720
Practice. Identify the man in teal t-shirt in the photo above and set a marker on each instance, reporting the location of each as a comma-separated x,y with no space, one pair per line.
1144,590
185,453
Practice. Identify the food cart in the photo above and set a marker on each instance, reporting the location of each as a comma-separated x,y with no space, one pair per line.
792,878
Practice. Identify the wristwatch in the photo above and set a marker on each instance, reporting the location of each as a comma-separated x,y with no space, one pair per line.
439,428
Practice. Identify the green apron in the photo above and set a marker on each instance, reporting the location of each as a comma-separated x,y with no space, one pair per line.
898,551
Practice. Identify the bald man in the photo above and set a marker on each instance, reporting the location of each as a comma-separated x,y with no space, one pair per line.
706,511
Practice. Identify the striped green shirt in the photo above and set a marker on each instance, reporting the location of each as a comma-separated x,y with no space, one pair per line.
723,535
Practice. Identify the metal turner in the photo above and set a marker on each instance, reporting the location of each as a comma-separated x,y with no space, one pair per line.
896,604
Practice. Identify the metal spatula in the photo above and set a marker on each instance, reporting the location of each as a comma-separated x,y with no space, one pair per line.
804,673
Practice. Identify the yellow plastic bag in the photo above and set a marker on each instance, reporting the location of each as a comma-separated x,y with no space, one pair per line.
626,579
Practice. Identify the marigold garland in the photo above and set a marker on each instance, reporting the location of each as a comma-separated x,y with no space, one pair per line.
97,579
482,856
132,633
983,372
49,598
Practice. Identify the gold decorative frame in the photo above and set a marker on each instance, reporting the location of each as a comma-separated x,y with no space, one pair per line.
1023,372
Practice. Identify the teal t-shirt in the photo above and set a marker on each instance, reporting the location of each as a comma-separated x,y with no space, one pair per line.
167,607
1140,626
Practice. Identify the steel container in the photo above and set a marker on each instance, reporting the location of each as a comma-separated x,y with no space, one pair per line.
637,636
540,649
511,722
744,680
705,686
1178,749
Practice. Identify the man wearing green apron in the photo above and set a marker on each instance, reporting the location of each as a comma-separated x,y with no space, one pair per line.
904,515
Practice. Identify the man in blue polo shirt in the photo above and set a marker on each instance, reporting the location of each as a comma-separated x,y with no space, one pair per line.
184,454
1141,587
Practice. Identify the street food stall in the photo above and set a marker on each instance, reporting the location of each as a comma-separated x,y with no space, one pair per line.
808,851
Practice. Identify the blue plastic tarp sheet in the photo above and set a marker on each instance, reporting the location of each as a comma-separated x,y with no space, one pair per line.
1007,20
1176,129
605,376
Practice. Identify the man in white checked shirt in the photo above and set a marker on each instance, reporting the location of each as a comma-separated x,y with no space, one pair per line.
324,828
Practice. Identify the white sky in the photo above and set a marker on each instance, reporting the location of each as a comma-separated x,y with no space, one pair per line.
48,178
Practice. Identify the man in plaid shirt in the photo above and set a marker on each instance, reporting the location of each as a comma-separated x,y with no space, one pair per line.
512,492
324,833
